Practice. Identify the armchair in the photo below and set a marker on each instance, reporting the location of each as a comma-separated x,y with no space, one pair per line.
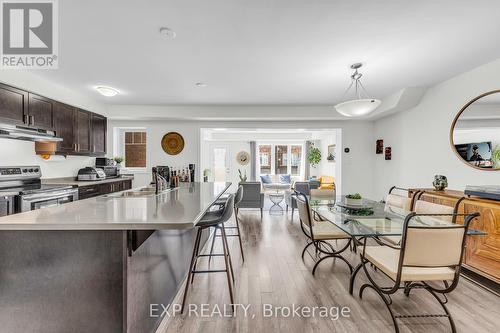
252,196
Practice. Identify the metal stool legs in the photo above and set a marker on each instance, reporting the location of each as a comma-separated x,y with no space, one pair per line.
237,234
196,255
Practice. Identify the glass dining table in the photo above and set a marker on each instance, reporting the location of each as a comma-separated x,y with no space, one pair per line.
371,219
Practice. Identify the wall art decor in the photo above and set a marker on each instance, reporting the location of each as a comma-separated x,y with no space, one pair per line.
243,158
380,146
388,153
172,143
331,157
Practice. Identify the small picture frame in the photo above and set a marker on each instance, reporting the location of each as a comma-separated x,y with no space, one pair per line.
331,157
388,153
380,146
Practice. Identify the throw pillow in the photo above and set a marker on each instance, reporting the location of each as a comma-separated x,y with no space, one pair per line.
285,179
266,179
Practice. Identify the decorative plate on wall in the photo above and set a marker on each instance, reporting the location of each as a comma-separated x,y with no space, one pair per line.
172,143
243,158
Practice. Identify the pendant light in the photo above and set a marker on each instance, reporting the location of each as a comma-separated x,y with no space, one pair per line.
360,105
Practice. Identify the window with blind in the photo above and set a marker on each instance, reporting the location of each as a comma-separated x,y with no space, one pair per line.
135,149
131,144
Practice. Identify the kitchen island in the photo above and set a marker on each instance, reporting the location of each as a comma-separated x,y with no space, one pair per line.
96,265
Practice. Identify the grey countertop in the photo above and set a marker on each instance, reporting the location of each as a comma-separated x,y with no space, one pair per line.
72,181
180,208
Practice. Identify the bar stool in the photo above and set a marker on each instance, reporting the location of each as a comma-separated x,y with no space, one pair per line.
216,220
237,199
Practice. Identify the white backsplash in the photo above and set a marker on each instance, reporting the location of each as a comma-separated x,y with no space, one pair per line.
16,152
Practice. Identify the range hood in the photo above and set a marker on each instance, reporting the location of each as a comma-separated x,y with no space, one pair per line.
27,133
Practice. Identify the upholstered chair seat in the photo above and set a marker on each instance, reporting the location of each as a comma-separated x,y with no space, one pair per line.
326,230
386,259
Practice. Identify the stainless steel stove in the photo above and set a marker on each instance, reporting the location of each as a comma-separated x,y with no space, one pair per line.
29,192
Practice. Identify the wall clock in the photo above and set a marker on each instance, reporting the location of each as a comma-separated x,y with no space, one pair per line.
243,158
172,143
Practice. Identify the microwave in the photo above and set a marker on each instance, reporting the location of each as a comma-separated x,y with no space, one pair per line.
111,171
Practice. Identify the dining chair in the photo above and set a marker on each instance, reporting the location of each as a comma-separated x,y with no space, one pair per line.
430,253
319,233
447,213
398,204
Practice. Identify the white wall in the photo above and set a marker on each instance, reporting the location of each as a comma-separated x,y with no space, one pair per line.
14,152
155,130
325,167
357,135
420,136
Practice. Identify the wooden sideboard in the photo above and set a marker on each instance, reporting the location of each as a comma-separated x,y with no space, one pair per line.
482,254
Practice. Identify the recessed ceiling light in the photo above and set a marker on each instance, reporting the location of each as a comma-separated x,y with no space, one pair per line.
107,91
201,84
168,33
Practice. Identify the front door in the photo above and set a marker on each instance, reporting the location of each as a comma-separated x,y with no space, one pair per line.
220,163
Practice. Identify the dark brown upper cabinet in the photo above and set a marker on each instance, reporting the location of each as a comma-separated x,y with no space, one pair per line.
40,112
83,132
99,129
13,105
64,125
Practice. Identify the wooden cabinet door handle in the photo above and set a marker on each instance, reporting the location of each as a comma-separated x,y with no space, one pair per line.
32,120
26,119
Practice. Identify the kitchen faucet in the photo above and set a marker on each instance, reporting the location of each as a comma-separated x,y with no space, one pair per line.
161,184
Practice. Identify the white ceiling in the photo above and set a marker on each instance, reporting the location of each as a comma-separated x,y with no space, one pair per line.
265,52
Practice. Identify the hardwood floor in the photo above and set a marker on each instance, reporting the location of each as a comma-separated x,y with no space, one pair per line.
273,273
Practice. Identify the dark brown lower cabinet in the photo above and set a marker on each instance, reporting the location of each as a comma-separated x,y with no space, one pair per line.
91,191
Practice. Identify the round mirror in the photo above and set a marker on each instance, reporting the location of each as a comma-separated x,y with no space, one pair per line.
475,132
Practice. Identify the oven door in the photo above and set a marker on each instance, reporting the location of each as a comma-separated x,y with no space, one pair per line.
50,199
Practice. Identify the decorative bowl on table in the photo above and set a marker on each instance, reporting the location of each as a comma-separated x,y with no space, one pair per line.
353,199
353,204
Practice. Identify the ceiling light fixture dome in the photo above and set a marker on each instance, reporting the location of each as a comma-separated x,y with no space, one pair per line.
168,33
107,91
359,106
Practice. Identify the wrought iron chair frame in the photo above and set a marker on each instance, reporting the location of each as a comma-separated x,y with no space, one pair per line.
321,246
386,292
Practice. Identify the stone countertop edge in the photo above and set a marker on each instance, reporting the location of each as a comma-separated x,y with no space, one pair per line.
179,209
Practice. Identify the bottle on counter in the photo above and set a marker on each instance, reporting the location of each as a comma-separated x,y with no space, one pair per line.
172,179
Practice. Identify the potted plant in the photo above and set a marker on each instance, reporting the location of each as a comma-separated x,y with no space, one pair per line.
495,157
206,173
314,156
243,178
354,199
119,160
